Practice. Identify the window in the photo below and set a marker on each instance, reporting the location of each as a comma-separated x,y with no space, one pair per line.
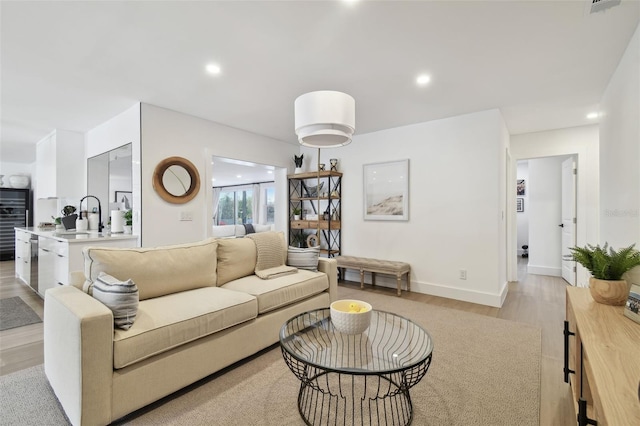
270,198
235,207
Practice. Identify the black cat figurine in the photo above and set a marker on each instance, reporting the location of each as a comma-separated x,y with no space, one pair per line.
298,160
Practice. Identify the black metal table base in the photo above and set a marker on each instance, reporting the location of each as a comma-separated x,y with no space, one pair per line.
329,397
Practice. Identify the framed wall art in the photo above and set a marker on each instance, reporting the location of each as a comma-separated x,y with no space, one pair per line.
124,197
519,205
520,187
386,190
632,307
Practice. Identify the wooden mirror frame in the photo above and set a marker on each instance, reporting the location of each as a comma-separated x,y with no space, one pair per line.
162,167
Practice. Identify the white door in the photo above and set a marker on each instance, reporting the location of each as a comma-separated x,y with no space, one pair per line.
568,219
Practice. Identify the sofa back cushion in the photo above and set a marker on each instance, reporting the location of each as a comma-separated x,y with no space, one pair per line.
236,259
156,271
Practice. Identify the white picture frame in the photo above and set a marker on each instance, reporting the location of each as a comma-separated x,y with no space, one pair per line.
632,306
386,190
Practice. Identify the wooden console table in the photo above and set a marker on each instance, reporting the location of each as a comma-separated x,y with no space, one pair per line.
602,361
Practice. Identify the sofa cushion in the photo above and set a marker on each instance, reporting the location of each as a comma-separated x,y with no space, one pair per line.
122,297
169,321
223,231
262,228
156,271
282,291
236,259
304,258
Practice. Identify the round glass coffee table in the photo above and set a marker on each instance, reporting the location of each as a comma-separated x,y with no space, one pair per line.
355,379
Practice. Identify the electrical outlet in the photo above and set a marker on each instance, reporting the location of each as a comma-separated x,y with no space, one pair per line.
463,274
186,215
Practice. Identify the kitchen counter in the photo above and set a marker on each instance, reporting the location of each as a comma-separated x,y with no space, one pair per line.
45,258
77,237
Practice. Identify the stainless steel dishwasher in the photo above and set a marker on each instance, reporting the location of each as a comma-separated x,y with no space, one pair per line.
33,282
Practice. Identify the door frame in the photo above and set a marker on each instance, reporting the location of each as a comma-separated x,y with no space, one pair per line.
580,155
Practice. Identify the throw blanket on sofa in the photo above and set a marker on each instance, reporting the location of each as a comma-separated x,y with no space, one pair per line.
271,255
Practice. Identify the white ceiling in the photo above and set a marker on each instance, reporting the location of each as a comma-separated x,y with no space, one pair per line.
74,65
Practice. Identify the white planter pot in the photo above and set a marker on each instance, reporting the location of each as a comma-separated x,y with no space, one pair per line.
127,228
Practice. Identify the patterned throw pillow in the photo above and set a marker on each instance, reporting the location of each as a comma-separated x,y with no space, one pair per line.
121,297
303,258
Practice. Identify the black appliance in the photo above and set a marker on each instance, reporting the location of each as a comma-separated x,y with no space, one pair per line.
15,211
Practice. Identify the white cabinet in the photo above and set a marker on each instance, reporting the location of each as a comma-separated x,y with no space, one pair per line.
23,256
60,166
58,258
53,264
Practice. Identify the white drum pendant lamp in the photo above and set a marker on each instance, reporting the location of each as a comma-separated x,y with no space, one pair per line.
325,119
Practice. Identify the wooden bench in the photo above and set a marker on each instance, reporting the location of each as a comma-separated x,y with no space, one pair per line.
375,266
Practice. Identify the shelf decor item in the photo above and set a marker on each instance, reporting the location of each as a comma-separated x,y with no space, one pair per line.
298,162
607,266
334,164
19,181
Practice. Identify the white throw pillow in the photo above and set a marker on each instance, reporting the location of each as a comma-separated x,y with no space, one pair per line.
121,297
303,258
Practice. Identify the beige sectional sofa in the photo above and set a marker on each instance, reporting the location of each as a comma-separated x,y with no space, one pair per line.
201,309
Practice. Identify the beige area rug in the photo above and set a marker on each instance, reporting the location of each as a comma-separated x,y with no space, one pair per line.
485,371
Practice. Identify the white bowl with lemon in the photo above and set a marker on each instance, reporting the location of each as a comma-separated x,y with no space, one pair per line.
350,316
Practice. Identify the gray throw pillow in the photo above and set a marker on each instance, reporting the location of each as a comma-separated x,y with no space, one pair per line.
303,258
121,297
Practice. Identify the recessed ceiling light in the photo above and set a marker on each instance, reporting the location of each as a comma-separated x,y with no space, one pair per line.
213,69
423,79
238,176
592,115
269,171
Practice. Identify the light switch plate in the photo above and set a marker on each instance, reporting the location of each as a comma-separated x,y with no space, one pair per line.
186,215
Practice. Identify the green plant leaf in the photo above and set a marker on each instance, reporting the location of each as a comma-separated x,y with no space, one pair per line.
604,262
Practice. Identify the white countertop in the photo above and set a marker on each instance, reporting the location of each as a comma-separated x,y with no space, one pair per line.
77,237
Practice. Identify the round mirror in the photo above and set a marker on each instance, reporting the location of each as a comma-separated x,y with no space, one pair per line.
176,180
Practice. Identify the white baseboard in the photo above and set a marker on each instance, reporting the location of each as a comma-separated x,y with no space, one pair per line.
544,270
440,290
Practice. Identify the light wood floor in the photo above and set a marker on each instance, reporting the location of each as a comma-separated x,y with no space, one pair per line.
534,299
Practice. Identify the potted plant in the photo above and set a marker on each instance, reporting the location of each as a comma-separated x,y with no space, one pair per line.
297,239
58,222
607,266
296,213
128,218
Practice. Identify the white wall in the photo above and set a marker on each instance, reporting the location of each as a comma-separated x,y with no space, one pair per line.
582,141
7,169
457,181
522,218
122,129
545,213
167,133
620,153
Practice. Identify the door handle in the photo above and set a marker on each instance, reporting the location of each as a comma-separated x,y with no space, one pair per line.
561,225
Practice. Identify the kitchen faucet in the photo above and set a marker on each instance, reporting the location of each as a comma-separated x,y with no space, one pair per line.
99,211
